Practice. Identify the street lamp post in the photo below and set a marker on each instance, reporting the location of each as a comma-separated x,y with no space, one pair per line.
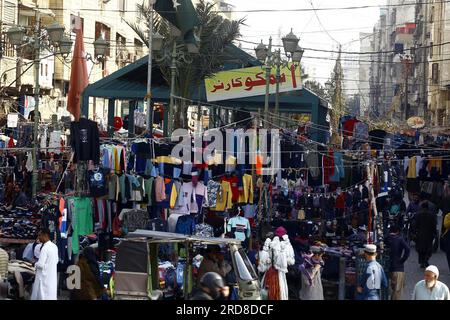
175,55
149,71
273,59
55,35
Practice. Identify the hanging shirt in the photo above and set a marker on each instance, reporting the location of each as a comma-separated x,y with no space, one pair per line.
55,142
148,186
160,192
247,195
82,220
224,198
97,182
339,172
85,141
412,172
184,205
233,180
214,191
240,226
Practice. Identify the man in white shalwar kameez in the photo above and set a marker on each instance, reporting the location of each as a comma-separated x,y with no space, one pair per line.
46,279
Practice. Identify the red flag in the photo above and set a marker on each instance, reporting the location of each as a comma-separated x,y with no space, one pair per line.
79,78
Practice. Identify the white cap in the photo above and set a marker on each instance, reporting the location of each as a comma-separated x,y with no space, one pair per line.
433,269
370,248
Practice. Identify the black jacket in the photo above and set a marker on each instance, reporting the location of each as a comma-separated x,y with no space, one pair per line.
426,223
399,252
85,141
201,295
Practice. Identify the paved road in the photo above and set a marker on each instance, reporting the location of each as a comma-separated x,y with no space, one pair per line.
415,274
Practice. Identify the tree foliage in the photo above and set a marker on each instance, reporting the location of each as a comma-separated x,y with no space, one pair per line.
214,33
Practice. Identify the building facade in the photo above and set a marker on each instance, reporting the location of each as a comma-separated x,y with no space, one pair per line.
96,17
439,64
393,89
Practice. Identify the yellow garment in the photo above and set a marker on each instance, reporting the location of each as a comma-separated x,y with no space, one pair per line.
173,196
412,168
224,199
169,160
435,163
447,223
116,160
215,160
247,195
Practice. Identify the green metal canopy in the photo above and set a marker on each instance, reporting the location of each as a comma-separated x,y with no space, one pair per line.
130,83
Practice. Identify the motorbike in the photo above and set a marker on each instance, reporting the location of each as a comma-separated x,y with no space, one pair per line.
408,227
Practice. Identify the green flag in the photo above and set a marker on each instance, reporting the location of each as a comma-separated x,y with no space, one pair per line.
180,13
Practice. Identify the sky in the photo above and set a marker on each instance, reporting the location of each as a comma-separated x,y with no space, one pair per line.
343,26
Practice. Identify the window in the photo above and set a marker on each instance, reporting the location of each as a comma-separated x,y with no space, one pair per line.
138,49
435,73
6,49
9,12
431,49
42,69
46,70
121,50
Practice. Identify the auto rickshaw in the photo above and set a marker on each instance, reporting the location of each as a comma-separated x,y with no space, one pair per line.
137,275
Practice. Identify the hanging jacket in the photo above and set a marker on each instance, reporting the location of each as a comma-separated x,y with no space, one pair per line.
185,225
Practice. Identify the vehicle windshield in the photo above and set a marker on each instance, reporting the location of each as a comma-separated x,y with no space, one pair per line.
244,266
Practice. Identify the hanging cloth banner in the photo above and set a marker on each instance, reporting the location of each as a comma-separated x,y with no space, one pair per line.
249,82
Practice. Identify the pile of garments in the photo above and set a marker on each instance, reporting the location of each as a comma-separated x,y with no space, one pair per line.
19,223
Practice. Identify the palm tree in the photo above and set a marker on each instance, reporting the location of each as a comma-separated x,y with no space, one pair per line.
214,34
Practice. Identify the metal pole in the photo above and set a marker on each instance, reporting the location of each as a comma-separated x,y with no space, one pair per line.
173,70
149,72
268,69
341,290
37,43
277,94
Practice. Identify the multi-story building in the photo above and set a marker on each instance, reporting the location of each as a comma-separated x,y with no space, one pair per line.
393,89
364,73
438,67
96,17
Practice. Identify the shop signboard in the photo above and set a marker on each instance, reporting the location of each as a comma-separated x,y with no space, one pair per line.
249,82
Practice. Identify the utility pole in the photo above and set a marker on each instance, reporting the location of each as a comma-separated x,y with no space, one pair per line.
268,69
277,98
173,70
37,44
149,72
